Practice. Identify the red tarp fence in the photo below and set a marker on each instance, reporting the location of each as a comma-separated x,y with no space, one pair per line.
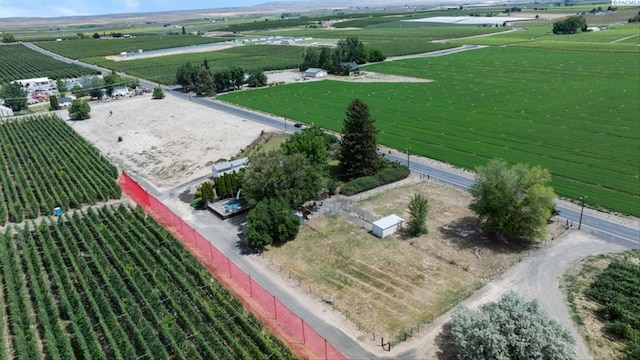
299,335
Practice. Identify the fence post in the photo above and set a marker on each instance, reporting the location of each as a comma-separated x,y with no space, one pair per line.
275,308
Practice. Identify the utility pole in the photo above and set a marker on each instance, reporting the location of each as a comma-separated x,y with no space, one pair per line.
408,164
581,211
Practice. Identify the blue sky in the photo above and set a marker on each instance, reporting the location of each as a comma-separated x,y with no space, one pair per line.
54,8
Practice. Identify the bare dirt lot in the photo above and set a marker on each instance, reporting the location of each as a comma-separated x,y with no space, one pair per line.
167,142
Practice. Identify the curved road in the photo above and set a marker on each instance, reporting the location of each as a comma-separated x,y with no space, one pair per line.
536,276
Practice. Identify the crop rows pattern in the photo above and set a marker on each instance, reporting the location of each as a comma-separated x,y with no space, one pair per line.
109,283
44,164
20,62
576,115
84,48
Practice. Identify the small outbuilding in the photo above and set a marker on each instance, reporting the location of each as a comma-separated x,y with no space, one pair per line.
229,167
315,73
387,225
5,111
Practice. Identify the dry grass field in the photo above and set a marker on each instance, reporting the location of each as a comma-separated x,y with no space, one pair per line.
389,286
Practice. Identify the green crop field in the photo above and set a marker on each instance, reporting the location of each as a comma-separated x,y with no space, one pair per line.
163,69
613,39
396,41
110,283
19,62
85,48
575,114
44,164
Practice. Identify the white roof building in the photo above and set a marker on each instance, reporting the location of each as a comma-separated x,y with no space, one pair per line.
387,225
315,73
229,167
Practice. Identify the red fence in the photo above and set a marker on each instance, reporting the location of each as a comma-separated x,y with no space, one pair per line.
298,335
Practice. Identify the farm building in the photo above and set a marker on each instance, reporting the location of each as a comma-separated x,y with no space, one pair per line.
64,101
387,225
351,68
229,167
26,83
315,73
120,91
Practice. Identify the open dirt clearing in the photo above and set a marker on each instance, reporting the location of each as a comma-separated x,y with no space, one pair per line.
388,286
167,142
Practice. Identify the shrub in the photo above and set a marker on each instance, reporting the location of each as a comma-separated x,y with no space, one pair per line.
388,175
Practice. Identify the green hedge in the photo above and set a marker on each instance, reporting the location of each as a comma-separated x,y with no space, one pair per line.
385,176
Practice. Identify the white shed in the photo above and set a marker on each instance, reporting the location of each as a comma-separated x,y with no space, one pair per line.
315,73
387,225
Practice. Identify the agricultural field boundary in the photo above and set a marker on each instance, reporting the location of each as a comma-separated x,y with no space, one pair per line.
294,331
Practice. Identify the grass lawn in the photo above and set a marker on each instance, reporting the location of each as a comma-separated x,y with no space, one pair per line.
573,113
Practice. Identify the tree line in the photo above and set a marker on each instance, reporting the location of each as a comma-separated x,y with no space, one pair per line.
203,80
347,50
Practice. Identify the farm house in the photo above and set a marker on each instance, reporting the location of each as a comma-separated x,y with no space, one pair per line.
387,225
315,73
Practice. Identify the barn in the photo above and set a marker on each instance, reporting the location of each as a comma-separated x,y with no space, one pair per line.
387,225
315,73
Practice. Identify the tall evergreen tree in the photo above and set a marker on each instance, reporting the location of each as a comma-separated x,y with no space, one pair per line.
359,144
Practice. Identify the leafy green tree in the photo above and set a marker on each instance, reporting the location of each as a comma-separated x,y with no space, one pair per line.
62,86
513,201
78,91
111,80
512,328
157,93
96,36
79,110
93,85
237,77
222,80
311,143
375,55
53,103
309,58
418,209
351,49
290,178
570,25
324,60
8,38
14,96
358,147
257,78
204,81
207,192
186,76
271,221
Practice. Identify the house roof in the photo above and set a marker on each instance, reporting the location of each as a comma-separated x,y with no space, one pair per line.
230,165
389,221
314,70
63,99
352,65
